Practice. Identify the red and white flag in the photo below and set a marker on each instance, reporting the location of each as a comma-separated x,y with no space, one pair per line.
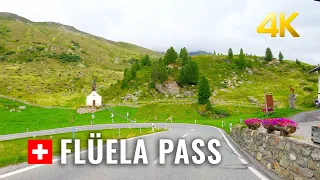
39,151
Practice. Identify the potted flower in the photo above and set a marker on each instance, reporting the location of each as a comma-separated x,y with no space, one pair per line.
253,123
284,125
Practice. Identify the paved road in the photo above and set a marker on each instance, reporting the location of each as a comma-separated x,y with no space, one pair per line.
305,120
232,166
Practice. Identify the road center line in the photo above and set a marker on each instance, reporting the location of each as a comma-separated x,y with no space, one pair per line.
185,135
192,129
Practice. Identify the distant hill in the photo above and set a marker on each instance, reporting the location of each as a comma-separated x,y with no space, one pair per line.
194,53
50,63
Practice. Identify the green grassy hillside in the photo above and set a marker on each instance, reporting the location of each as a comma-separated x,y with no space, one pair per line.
53,64
231,87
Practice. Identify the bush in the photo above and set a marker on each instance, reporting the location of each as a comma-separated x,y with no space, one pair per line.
40,48
308,89
64,57
9,53
220,112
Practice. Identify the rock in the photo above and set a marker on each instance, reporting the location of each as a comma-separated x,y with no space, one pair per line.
315,154
249,71
252,100
160,88
306,151
172,87
306,172
311,164
259,156
302,161
22,107
127,97
188,93
284,162
269,166
292,157
81,66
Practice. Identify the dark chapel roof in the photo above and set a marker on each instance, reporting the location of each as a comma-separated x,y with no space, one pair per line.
315,69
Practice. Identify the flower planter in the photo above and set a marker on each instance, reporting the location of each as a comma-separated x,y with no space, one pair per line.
285,126
253,123
284,130
254,126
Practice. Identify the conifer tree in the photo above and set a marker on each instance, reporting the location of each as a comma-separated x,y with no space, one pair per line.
280,56
189,73
230,54
204,91
146,61
184,55
126,78
241,62
170,56
214,53
133,71
269,55
159,72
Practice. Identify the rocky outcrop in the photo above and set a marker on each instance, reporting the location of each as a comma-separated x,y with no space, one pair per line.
168,88
290,158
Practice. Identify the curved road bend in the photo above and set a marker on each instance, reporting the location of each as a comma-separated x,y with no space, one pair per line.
232,166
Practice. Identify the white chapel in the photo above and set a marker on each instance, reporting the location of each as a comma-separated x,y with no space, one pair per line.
94,99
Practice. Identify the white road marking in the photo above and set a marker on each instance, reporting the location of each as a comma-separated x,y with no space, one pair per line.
252,169
155,162
257,173
192,129
185,135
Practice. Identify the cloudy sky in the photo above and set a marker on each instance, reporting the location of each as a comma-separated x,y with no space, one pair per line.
196,24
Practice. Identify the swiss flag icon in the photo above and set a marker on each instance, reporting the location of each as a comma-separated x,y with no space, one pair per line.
39,151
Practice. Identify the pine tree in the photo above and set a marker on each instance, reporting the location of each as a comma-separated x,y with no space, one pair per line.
170,56
189,73
280,56
146,61
230,54
241,62
127,76
159,72
214,53
184,55
133,71
204,91
269,55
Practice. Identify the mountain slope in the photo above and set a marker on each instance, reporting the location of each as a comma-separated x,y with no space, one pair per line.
53,64
233,89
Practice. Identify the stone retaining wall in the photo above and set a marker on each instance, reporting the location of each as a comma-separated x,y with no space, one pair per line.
84,110
290,158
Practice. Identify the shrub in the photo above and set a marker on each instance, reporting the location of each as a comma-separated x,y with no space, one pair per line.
64,57
9,53
308,89
220,112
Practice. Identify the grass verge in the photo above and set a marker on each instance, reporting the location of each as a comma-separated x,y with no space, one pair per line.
16,151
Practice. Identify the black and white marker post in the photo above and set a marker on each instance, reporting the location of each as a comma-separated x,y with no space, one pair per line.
127,116
92,119
112,117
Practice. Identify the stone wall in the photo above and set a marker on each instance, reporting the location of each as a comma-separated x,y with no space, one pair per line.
85,109
288,157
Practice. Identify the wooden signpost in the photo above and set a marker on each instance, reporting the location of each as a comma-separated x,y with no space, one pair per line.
269,103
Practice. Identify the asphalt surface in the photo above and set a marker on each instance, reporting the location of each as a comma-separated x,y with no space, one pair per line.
232,165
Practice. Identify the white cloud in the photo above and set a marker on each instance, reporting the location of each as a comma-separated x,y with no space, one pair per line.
199,25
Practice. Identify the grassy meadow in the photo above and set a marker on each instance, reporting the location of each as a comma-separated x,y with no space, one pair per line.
16,151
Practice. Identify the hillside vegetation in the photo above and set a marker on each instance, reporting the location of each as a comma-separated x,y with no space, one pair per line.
53,64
